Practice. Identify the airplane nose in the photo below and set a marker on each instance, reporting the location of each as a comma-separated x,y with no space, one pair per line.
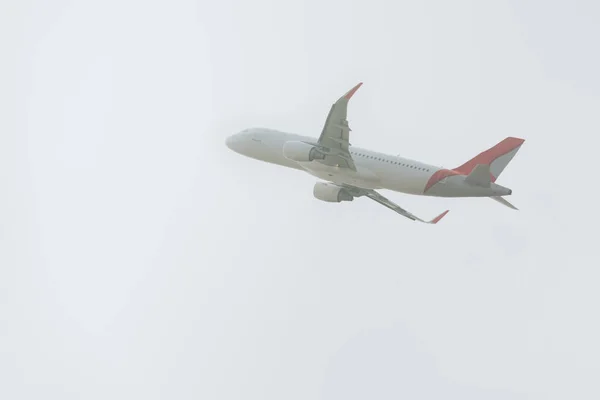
230,141
236,142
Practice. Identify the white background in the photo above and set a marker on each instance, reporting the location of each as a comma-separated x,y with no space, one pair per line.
141,258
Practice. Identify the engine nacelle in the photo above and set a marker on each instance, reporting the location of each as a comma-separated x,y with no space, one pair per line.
301,152
331,193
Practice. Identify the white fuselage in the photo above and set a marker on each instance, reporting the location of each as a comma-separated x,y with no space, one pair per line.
374,170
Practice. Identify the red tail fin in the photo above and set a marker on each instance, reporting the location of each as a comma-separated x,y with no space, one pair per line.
496,157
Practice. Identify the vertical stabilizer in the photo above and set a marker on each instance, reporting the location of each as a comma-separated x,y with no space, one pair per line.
496,157
480,176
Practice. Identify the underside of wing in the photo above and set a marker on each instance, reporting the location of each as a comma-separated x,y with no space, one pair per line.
335,136
373,195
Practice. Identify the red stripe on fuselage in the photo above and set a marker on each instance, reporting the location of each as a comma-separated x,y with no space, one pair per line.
438,176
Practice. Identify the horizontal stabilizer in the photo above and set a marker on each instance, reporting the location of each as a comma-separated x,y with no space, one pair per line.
480,176
503,201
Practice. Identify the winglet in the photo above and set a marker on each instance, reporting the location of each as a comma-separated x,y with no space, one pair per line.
351,92
439,217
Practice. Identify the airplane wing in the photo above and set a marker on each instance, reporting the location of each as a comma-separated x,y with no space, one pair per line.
373,195
335,137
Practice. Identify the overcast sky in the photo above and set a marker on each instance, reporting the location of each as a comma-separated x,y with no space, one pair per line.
141,258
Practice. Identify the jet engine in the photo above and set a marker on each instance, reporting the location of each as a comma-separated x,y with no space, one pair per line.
331,193
301,152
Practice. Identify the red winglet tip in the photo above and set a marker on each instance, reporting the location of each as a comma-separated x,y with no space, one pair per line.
439,217
352,91
515,141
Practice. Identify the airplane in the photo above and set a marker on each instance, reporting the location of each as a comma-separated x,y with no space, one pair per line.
347,172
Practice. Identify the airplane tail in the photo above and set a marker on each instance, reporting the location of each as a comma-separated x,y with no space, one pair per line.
497,158
480,176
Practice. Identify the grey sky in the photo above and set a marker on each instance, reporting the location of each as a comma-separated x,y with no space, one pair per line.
140,258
